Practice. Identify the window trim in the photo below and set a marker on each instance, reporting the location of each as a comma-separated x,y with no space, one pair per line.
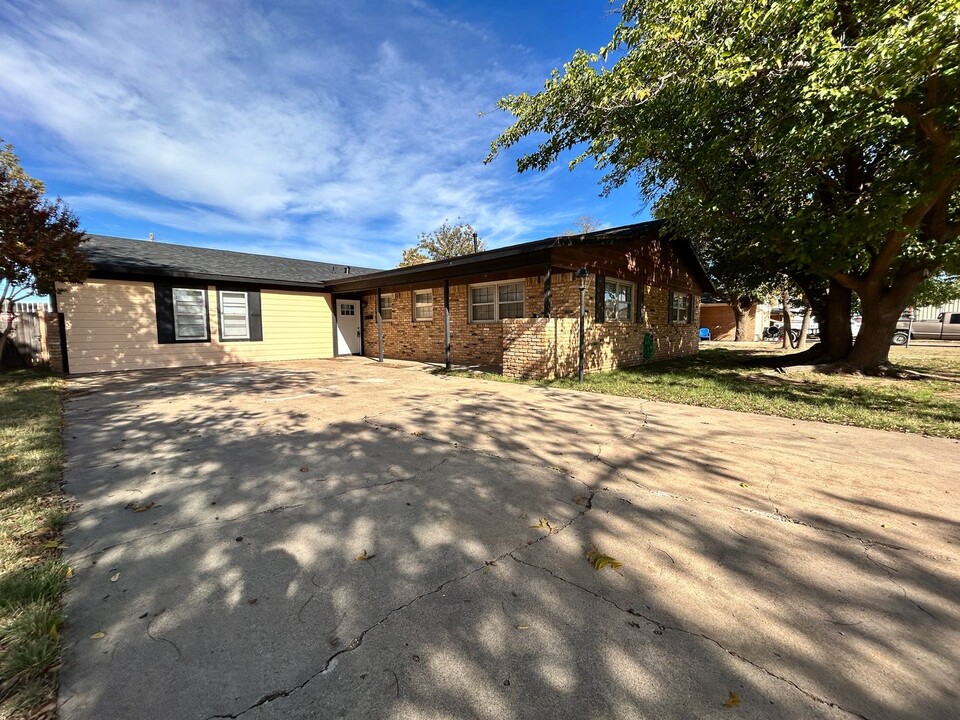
417,305
206,315
390,297
222,315
496,300
631,307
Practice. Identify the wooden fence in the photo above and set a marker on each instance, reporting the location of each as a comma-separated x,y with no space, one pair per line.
27,347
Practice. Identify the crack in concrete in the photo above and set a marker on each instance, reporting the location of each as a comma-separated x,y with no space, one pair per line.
889,572
330,663
247,516
691,633
160,638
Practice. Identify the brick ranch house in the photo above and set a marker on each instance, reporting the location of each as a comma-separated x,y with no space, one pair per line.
156,305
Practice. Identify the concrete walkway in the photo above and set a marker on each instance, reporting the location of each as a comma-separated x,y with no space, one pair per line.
220,515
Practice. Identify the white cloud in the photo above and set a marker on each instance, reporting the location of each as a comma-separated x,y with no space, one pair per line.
350,127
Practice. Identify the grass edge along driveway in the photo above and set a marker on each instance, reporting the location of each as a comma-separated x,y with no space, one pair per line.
718,378
32,513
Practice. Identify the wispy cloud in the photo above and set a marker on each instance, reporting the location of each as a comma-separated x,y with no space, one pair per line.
348,126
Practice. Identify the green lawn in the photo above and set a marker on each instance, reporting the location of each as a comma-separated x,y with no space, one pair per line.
32,576
718,378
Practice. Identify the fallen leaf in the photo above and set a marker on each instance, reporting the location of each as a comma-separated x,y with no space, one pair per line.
417,433
252,601
98,636
54,545
580,500
733,700
69,572
744,485
544,524
523,627
144,508
115,577
305,468
601,561
365,556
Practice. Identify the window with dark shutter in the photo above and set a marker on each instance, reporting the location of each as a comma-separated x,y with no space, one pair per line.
240,315
182,314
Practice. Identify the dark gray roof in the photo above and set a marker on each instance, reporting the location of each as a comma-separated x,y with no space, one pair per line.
518,255
112,256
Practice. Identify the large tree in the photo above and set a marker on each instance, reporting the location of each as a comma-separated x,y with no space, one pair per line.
447,241
816,135
39,239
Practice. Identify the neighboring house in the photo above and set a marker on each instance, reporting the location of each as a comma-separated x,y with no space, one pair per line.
152,305
930,312
719,318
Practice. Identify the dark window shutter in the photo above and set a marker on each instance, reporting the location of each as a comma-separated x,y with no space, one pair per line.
600,301
163,295
670,308
256,317
638,303
690,317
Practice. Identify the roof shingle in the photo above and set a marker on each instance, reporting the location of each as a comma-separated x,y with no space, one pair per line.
140,257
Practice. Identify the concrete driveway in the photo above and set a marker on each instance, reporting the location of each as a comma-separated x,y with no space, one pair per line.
220,515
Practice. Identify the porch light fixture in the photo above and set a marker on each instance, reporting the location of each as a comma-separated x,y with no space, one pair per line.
581,275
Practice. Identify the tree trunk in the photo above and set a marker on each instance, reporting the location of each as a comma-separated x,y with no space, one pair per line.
836,338
832,306
741,318
3,344
740,304
804,328
785,302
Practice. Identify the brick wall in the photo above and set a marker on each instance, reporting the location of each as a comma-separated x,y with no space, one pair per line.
531,346
50,336
723,325
547,348
470,343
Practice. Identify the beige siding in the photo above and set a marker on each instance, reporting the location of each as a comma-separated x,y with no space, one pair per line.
112,325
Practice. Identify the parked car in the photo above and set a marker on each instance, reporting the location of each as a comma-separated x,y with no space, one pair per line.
945,327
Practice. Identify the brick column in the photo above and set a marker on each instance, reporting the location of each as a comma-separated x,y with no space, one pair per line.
53,341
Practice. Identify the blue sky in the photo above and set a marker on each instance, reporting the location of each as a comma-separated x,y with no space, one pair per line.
322,130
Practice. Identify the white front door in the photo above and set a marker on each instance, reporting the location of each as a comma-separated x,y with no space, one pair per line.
348,327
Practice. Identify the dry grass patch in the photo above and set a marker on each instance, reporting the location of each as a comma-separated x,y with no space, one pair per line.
32,512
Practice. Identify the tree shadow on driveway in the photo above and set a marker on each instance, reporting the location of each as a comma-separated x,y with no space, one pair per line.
309,544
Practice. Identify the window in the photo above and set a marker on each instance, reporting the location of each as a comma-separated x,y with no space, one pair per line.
348,309
423,305
234,315
386,307
489,303
680,308
189,314
618,301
